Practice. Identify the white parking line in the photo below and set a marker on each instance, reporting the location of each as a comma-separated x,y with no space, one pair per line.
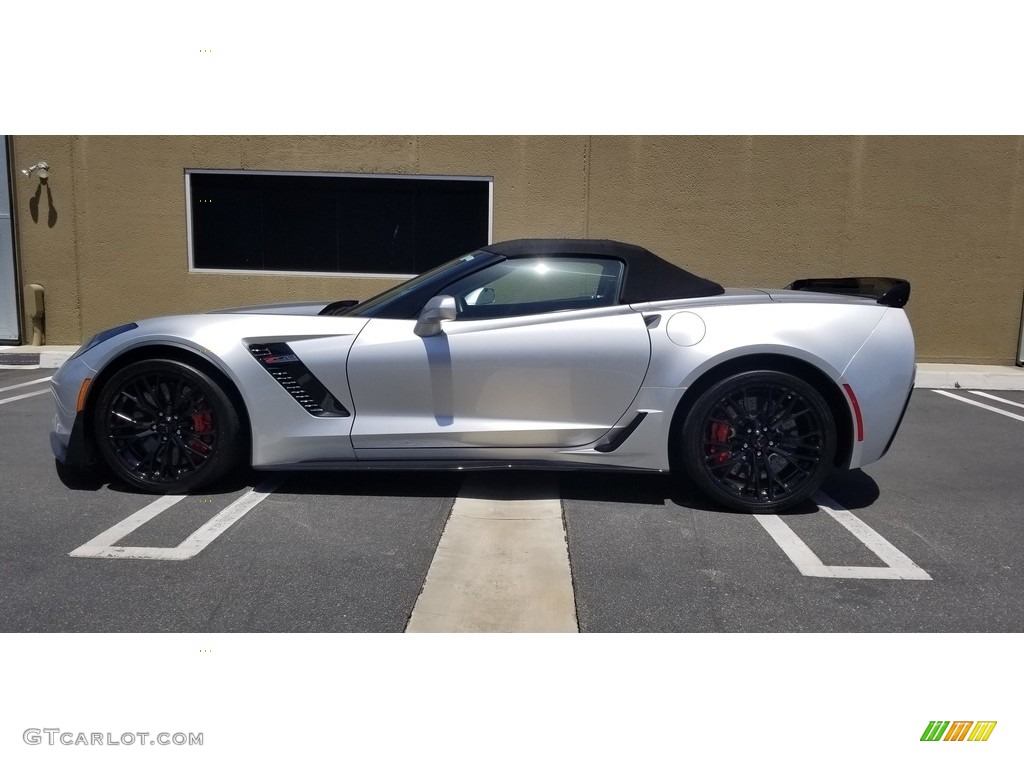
897,564
25,384
103,546
501,566
117,532
978,405
22,397
997,399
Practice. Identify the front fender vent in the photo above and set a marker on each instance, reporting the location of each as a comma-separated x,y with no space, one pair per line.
298,381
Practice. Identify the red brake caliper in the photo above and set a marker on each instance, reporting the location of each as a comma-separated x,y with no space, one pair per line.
202,421
719,434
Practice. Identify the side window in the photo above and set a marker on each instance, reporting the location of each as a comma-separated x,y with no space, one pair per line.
536,285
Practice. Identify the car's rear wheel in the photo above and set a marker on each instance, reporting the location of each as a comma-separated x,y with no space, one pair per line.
166,427
759,441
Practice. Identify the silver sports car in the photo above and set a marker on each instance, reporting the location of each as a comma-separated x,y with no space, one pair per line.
559,354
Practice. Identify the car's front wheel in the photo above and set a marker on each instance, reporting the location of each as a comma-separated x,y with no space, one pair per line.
166,427
759,441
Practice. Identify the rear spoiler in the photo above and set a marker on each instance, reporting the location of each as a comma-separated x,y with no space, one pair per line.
890,291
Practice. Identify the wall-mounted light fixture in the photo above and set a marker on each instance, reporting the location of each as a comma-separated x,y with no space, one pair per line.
40,169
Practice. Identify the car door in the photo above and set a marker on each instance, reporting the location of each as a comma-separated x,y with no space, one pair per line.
540,355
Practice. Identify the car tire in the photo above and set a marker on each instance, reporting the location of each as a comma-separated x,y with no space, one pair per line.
759,441
164,426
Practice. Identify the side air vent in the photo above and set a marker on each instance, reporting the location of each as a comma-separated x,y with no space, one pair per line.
623,434
298,381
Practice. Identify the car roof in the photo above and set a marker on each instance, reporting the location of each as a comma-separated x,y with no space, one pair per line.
648,277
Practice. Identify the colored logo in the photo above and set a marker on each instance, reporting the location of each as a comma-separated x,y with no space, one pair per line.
958,730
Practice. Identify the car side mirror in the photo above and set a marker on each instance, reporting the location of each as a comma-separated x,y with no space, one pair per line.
434,311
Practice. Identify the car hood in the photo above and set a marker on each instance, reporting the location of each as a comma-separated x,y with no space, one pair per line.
296,308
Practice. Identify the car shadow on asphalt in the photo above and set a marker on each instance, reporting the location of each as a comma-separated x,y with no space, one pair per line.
370,483
323,483
853,489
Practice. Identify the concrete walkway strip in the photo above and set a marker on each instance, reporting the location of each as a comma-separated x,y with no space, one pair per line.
961,376
502,565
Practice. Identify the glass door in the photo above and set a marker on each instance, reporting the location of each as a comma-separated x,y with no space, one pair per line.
9,332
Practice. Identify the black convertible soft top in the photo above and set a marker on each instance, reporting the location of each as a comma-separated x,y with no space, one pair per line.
648,277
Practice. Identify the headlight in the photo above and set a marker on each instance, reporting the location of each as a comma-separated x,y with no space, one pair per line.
102,336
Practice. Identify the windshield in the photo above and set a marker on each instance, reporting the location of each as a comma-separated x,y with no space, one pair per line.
403,301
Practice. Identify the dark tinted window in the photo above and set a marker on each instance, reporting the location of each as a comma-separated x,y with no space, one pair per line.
321,223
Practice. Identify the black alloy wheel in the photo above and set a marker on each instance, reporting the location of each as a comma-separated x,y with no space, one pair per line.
759,442
166,427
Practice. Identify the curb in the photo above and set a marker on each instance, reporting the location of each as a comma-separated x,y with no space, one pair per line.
27,358
957,376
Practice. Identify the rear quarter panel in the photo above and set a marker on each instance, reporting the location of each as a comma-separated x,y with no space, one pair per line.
825,335
829,335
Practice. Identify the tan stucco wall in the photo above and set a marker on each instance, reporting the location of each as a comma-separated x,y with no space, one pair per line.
945,212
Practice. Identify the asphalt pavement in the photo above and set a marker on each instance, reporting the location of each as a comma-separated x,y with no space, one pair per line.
924,540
